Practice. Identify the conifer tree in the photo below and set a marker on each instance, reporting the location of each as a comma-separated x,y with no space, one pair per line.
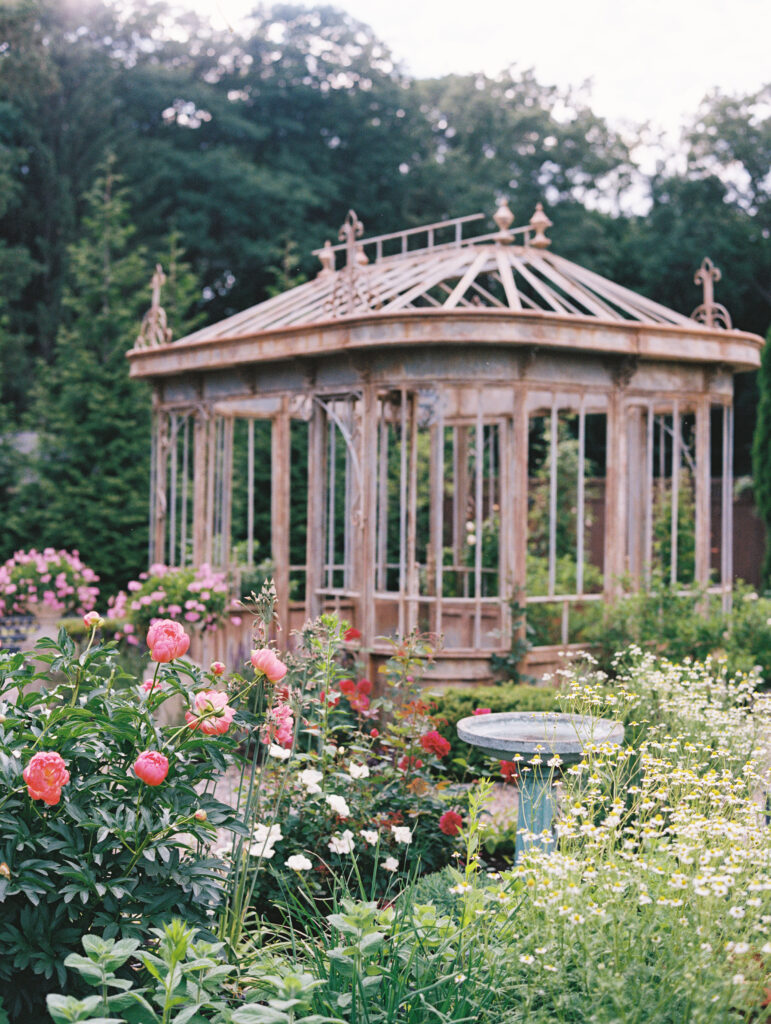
761,452
88,484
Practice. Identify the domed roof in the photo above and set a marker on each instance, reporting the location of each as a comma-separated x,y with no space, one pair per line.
418,270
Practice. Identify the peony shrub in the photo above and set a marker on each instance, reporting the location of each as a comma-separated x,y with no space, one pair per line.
56,580
106,818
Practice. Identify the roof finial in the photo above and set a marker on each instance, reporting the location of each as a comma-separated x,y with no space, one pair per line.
154,330
540,223
350,288
503,218
327,260
710,312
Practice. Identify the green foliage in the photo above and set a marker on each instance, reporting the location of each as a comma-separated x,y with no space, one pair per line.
761,453
111,853
680,626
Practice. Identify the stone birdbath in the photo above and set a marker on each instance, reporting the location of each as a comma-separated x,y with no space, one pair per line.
538,737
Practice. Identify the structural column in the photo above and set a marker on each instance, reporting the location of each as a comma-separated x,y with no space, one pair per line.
316,494
703,484
365,584
615,495
280,466
200,467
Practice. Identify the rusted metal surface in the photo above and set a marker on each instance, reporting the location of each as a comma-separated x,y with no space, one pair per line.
423,366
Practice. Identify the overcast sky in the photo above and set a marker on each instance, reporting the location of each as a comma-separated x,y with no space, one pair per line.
646,62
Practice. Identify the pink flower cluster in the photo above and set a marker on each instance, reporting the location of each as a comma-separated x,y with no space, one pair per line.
58,580
198,596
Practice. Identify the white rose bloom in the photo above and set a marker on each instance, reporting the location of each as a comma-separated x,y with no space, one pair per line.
298,862
280,752
390,864
264,838
402,834
343,843
358,771
338,805
369,836
310,778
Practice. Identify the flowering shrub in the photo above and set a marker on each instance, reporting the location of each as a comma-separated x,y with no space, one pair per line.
105,821
349,796
196,597
57,580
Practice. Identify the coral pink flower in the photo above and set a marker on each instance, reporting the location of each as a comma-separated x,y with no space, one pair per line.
482,711
217,668
151,767
211,713
92,620
265,661
167,640
450,823
434,743
279,728
360,703
45,775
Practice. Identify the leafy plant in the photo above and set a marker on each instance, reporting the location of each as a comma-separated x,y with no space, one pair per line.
106,850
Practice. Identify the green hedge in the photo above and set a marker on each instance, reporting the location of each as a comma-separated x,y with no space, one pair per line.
454,704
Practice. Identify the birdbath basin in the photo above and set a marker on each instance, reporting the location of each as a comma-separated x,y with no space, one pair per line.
533,739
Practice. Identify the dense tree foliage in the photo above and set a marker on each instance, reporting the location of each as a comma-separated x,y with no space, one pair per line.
243,153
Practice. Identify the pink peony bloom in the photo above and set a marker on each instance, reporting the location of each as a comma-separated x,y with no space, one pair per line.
151,684
211,713
267,662
482,711
45,775
151,767
167,640
93,620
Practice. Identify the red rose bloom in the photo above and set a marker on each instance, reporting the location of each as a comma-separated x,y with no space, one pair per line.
364,686
450,823
347,686
410,762
351,635
434,743
151,767
45,775
509,771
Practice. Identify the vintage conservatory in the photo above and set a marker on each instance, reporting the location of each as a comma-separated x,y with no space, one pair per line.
444,429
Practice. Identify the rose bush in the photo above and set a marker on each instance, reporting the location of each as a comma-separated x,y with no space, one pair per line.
52,579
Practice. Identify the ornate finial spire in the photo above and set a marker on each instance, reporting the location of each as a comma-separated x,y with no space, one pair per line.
540,223
710,312
327,260
350,288
504,218
154,330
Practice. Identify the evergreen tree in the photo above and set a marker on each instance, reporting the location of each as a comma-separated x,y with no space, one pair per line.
88,483
761,453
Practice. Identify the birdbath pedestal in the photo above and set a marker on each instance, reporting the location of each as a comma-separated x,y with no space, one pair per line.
533,739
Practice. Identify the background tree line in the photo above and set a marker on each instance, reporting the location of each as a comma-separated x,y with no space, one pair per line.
131,132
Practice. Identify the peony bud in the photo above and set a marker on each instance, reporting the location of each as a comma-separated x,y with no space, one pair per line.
217,668
200,815
93,620
151,767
